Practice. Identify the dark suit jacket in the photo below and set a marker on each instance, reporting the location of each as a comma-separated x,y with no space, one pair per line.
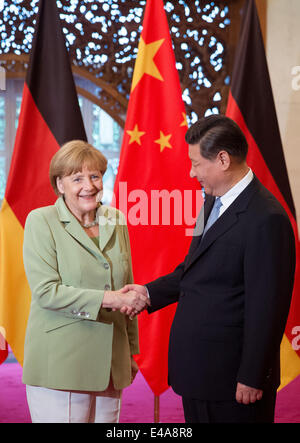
233,292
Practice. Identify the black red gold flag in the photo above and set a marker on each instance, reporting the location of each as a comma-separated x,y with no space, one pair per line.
251,105
50,115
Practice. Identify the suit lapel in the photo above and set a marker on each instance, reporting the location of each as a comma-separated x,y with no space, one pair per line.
225,222
107,225
200,223
73,227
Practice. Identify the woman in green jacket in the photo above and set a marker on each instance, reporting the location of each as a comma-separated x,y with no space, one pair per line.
78,346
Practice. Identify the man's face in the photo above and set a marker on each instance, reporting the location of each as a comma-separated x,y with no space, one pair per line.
207,172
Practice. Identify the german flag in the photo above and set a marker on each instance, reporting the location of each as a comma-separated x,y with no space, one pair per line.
50,116
251,105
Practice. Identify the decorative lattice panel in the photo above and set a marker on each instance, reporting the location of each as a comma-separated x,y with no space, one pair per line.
102,38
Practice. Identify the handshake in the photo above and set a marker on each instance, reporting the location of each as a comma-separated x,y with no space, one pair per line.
130,300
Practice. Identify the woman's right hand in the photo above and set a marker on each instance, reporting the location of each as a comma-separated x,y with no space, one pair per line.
131,302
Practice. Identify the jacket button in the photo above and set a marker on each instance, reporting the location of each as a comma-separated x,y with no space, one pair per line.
106,265
84,314
106,287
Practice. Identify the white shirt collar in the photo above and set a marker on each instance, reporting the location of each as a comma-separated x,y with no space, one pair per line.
235,191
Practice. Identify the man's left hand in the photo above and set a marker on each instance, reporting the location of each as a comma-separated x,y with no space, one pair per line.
246,394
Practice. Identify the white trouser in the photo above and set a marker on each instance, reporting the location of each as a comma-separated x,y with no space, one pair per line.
52,406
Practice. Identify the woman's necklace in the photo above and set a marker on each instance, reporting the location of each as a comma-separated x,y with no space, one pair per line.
91,224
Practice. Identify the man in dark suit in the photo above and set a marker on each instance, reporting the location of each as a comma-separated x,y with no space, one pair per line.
233,288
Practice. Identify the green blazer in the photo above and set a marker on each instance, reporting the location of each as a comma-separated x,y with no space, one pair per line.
72,343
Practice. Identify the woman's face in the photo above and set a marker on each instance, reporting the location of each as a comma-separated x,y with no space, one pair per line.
81,189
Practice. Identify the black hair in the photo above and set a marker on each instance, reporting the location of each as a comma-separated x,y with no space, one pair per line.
217,133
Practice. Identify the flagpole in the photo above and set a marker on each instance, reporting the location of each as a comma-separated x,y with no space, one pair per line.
156,408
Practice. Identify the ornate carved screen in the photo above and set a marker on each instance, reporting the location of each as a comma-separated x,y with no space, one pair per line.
102,38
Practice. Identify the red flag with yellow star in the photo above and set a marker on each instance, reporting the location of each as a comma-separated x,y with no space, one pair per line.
153,187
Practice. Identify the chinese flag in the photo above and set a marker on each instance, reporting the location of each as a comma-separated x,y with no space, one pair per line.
50,116
251,105
153,160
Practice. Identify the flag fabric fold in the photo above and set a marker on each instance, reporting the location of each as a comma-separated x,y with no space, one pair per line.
251,105
3,347
154,162
50,115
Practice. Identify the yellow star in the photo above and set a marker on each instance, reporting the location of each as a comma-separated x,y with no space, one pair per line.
163,141
184,122
135,135
144,62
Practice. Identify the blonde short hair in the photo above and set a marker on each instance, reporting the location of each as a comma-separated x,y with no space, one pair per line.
71,158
